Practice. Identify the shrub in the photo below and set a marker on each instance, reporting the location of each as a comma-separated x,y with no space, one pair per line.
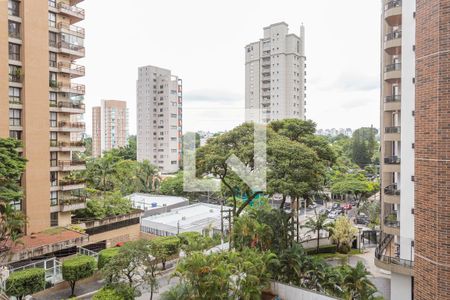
107,294
165,246
25,282
76,268
105,256
322,249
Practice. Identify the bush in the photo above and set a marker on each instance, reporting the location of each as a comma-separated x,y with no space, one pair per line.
107,294
105,256
76,268
25,282
165,246
322,249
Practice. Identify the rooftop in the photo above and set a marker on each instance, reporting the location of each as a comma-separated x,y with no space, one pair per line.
149,202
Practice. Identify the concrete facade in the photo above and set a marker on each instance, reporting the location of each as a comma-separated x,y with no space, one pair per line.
159,118
275,76
109,126
41,45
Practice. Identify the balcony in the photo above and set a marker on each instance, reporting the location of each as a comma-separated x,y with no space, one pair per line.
64,126
77,51
392,103
393,12
68,107
391,194
71,165
391,164
391,224
71,184
67,146
72,88
393,43
393,72
71,29
74,70
392,263
265,87
75,13
72,203
392,133
392,160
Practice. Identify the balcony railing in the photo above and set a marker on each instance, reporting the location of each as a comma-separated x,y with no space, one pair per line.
72,88
392,190
75,30
393,67
71,47
67,144
393,35
392,160
72,10
395,129
392,4
67,182
72,68
77,125
15,78
15,34
394,98
67,104
391,221
72,200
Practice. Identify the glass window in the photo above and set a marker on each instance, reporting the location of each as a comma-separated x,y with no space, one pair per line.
51,19
54,216
15,117
52,3
14,51
53,159
52,60
14,95
52,39
52,79
14,8
15,73
53,178
14,134
14,29
53,138
53,97
53,119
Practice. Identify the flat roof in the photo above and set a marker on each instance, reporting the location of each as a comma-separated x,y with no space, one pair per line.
149,201
194,215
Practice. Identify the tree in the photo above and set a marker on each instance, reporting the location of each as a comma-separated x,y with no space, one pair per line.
193,241
105,256
356,185
12,221
100,172
343,234
120,291
355,284
134,263
164,247
147,174
178,292
26,282
76,268
249,233
173,185
364,146
112,204
317,224
127,152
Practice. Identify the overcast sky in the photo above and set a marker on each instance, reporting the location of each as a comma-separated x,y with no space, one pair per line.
202,41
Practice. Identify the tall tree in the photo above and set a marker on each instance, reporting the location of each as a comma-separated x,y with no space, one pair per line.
317,224
147,177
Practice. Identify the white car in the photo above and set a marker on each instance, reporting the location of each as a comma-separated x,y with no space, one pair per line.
333,215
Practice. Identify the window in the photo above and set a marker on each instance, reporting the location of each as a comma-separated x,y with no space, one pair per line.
53,138
14,95
53,159
53,119
14,8
15,117
15,73
52,97
52,40
14,29
52,60
54,219
51,19
53,178
52,79
52,3
14,134
14,51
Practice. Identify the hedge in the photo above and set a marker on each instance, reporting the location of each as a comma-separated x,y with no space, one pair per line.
322,249
107,294
25,282
76,268
105,256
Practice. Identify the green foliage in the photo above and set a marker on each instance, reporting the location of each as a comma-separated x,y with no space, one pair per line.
322,249
76,268
112,204
364,146
355,283
25,282
249,233
127,152
173,186
356,185
194,241
106,255
343,234
164,247
317,224
107,294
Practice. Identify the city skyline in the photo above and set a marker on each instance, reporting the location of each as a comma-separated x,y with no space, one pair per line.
341,84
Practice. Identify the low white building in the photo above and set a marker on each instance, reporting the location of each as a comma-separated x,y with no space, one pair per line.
156,204
200,217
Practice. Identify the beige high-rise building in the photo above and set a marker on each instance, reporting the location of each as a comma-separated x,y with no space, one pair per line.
159,118
109,126
40,45
275,76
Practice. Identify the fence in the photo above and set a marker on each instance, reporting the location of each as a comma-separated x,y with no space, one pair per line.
51,266
87,252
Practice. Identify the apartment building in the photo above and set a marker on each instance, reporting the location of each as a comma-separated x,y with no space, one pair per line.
275,75
159,118
41,44
109,126
415,201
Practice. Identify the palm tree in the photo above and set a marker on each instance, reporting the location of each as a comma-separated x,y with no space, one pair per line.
178,292
102,173
293,262
316,225
356,284
146,176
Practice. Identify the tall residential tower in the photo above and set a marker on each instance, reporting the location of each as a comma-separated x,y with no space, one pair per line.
109,126
159,118
275,76
415,175
39,102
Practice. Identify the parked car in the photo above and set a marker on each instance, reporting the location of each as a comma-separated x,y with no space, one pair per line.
335,206
333,215
362,219
347,206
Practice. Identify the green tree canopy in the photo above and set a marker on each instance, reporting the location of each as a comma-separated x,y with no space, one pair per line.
77,268
26,282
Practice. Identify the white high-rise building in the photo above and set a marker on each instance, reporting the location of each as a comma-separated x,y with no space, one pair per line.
275,84
159,118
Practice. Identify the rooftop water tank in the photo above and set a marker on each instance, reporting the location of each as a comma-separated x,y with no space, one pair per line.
154,204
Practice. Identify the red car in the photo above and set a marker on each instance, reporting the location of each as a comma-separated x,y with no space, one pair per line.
347,206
